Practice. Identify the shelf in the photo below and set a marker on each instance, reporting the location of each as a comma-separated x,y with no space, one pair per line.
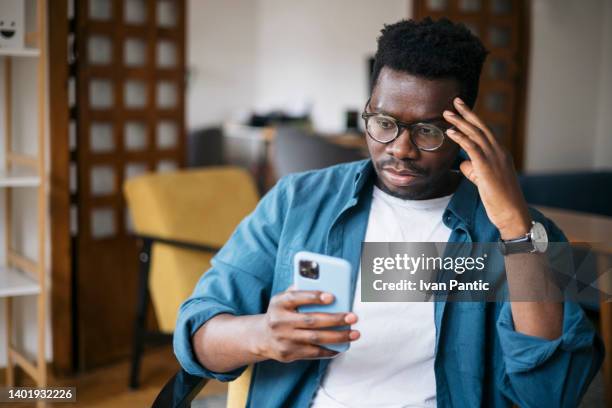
16,283
19,177
19,52
21,276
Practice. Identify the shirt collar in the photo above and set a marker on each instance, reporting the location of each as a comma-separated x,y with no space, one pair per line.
462,206
365,172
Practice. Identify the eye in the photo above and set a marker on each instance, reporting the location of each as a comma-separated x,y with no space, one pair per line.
384,123
427,131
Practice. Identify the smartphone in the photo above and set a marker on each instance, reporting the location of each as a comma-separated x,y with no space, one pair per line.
329,274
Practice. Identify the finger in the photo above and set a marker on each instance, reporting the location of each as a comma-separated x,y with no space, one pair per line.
473,118
467,113
471,148
294,298
469,130
314,352
325,336
322,320
467,169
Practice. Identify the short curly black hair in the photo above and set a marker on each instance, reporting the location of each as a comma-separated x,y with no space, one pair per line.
432,49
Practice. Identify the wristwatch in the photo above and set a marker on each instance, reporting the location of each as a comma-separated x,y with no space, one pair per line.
536,240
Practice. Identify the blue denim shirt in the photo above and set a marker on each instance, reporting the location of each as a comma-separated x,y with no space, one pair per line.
480,359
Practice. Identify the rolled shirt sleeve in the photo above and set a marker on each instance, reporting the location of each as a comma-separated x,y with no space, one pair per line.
523,352
239,281
555,373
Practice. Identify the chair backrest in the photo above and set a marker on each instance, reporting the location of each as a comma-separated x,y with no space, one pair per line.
579,191
296,150
181,390
238,390
201,206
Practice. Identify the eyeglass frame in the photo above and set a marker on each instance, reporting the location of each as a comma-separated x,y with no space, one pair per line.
400,126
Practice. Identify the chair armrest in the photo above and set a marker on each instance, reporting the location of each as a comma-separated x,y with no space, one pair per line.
180,391
177,243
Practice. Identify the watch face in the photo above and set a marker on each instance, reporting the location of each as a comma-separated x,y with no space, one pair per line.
539,237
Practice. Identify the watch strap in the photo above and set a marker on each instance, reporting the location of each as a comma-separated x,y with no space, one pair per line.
516,247
519,245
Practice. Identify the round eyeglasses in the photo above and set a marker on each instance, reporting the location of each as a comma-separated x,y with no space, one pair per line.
385,129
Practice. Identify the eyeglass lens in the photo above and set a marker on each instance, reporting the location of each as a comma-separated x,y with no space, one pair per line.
426,136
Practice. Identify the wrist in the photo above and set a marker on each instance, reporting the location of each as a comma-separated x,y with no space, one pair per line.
256,345
516,228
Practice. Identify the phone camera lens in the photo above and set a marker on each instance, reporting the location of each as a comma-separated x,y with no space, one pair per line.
309,269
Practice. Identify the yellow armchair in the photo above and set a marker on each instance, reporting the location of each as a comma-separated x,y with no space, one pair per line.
183,217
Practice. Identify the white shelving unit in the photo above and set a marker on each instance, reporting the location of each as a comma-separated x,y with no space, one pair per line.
15,283
21,276
19,52
23,177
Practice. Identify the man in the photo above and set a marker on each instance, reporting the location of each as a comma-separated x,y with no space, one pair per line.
461,354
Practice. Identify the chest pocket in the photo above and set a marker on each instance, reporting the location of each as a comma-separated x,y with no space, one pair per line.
283,273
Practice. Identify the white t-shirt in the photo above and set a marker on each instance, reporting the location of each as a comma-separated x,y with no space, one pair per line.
392,363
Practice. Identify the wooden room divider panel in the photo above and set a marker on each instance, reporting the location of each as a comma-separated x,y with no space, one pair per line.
129,119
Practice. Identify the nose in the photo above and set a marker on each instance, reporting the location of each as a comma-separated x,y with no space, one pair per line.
402,147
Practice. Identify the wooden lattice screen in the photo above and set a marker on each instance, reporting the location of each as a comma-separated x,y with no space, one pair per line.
128,117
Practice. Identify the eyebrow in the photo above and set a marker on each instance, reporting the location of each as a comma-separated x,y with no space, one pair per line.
428,120
384,112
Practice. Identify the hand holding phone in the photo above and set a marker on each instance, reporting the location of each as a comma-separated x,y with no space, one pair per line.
289,335
326,274
312,318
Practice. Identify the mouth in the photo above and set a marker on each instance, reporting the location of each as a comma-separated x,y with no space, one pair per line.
7,33
399,177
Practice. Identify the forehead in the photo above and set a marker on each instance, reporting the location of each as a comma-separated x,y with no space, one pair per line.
408,97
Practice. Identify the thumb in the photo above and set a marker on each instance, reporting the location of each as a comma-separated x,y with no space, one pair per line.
467,169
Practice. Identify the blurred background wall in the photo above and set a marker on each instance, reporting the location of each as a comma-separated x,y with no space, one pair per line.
221,56
274,54
569,116
267,54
